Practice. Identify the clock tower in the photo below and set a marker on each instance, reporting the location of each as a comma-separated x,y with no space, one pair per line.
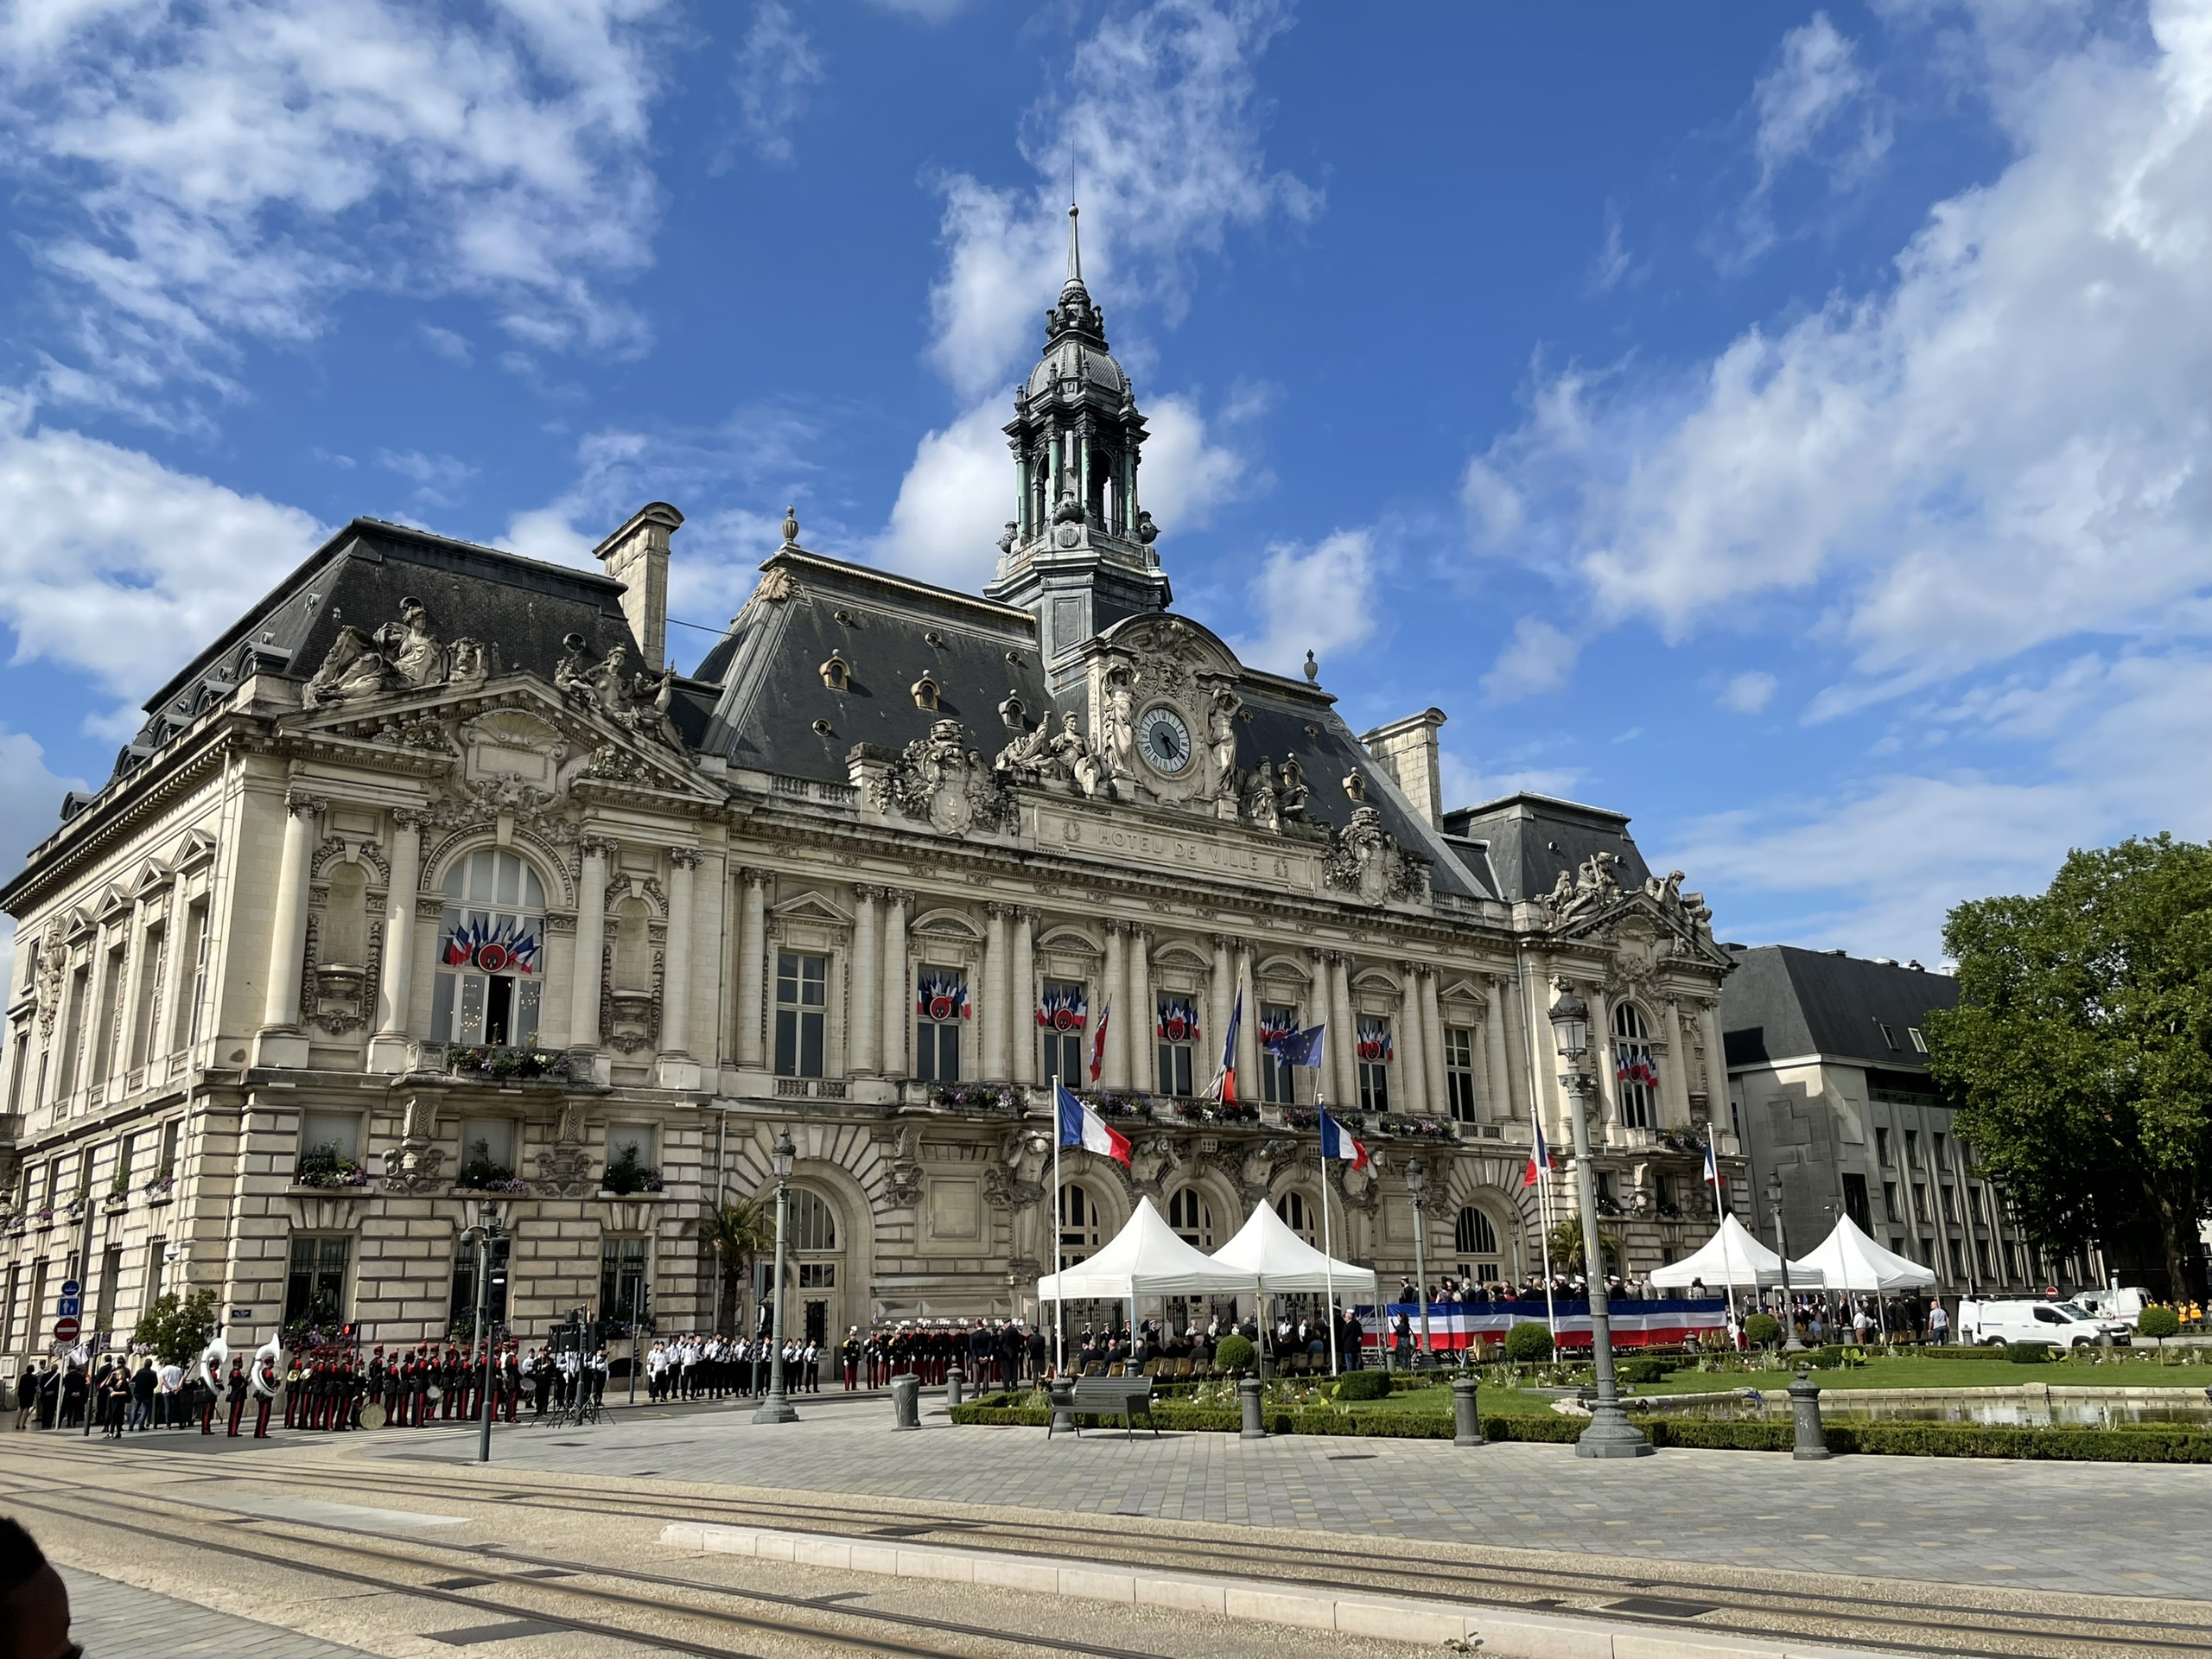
1079,552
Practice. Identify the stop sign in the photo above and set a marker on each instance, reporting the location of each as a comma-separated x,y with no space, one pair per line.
64,1330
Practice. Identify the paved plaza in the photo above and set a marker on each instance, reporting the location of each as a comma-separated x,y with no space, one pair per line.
2103,1529
107,1617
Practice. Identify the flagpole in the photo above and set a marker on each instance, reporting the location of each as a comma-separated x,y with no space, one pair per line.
1544,1218
1719,1219
1060,1301
1535,1122
1328,1249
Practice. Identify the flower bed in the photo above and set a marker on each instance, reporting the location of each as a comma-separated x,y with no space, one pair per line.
494,1064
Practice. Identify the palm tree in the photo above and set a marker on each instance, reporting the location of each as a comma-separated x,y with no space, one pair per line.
741,1233
1565,1241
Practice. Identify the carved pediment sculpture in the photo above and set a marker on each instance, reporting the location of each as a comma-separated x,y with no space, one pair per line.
1365,860
616,687
940,779
1592,899
397,657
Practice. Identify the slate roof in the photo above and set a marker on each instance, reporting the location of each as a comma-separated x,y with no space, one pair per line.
520,608
1783,1001
1525,841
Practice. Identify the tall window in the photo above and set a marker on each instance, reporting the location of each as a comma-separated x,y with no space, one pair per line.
1188,1214
1278,1085
940,1006
1175,1024
314,1290
1635,1077
1475,1240
1063,1016
491,952
814,1234
622,1280
1854,1202
1080,1225
1459,1072
72,1030
1299,1216
1376,1051
111,1015
156,960
172,1145
184,1018
19,1048
802,1003
1882,1146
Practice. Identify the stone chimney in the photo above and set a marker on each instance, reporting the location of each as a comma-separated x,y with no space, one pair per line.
636,557
1407,750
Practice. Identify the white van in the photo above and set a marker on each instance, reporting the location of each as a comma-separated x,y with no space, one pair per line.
2125,1303
2021,1321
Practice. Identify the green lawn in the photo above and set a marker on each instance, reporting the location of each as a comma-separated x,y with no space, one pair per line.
1993,1372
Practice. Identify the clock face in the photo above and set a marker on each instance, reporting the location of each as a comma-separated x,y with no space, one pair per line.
1165,740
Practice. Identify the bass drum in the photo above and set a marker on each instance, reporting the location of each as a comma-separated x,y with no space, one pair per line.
373,1416
433,1393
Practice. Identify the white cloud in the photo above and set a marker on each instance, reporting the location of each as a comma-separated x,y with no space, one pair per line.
1318,599
449,344
2005,447
228,170
946,524
1748,693
438,480
1539,657
1468,785
776,64
107,550
1815,79
1611,263
30,811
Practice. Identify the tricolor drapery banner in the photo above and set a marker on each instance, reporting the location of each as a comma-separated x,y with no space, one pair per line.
1635,1324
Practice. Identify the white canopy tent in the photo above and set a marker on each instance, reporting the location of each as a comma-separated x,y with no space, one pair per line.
1849,1260
1731,1257
1146,1258
1266,1250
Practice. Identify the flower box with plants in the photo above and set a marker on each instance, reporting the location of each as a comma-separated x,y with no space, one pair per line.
43,1215
1213,1111
328,1166
1417,1128
1117,1103
157,1191
628,1175
996,1097
481,1173
489,1064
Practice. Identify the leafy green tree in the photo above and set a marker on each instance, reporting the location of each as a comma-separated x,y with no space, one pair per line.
1565,1244
178,1330
2080,1050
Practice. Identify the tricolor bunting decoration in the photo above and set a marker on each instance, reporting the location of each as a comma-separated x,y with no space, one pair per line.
1374,1040
1179,1020
1062,1009
942,996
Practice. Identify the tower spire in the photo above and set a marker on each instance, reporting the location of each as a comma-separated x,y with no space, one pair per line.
1075,249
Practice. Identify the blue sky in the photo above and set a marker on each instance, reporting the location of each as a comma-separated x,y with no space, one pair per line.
1785,424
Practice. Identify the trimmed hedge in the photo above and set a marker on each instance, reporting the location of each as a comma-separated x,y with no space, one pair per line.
1528,1343
2143,1443
2027,1353
1364,1385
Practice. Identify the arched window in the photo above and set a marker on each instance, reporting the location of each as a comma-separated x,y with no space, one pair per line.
1635,1078
1080,1223
1188,1214
812,1223
1299,1216
1474,1238
491,952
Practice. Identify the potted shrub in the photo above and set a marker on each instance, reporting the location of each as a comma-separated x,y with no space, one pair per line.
628,1174
1234,1354
328,1166
1762,1329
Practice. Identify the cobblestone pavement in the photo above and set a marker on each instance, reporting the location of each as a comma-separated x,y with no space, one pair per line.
2104,1528
108,1619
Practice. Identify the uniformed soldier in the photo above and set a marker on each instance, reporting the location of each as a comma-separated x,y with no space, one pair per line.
235,1385
375,1380
264,1396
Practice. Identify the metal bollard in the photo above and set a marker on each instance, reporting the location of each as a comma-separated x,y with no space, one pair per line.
1467,1427
1062,1394
953,1380
906,1400
1805,1405
1247,1397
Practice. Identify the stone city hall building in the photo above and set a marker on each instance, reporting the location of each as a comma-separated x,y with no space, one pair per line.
431,883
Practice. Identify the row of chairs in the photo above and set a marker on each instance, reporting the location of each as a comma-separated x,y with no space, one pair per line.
1187,1370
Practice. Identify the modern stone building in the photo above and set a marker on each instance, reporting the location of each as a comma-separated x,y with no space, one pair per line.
1829,1086
431,884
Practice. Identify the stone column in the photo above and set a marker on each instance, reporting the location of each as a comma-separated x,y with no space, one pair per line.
1500,1058
591,943
1248,1034
288,934
1343,1032
396,986
997,993
1409,1084
676,992
1114,1073
864,998
1221,996
1674,1068
1528,1040
1606,1096
898,983
1144,1062
1432,1037
1022,1010
751,949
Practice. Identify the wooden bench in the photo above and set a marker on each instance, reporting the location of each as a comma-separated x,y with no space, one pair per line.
1125,1397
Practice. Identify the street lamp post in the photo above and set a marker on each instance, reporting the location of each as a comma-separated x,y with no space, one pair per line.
1610,1434
1789,1343
487,1235
775,1408
1416,1186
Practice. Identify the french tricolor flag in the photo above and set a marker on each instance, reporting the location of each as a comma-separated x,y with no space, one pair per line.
1081,1126
1540,1157
1337,1142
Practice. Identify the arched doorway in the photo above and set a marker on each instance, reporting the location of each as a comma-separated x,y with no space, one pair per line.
1477,1245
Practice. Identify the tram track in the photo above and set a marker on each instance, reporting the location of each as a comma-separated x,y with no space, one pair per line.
1872,1612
